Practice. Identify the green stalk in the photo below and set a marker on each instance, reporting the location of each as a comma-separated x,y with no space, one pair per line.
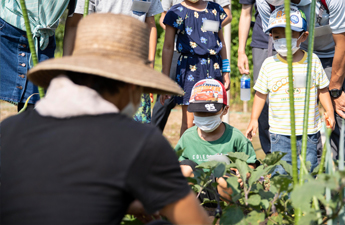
86,8
323,156
341,217
292,104
30,40
307,94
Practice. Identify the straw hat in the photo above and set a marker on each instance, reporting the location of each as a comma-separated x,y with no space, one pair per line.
111,46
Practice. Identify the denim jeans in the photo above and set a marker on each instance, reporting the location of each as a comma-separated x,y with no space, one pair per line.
282,143
14,64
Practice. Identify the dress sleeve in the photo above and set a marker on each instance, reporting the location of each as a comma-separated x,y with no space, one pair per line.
222,16
174,17
155,176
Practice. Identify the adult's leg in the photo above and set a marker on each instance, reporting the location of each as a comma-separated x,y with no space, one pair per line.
259,56
187,119
160,113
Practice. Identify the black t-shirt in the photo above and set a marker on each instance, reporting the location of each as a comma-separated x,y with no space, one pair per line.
259,38
86,169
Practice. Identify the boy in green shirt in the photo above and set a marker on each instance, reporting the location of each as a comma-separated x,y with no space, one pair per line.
210,136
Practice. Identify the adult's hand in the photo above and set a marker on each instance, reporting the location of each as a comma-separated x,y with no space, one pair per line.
242,63
339,105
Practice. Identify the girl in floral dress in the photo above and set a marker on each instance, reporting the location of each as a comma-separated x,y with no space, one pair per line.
197,24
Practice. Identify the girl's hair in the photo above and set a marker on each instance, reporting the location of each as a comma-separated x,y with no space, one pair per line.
100,84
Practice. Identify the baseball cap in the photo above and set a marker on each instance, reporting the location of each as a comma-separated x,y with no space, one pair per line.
208,95
298,20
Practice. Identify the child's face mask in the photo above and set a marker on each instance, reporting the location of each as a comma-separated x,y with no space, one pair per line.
208,123
275,2
281,46
193,1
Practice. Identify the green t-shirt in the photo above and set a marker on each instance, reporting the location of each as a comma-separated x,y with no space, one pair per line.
199,150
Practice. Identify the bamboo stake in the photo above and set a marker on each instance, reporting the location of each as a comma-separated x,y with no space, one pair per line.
30,40
292,104
341,217
86,8
307,94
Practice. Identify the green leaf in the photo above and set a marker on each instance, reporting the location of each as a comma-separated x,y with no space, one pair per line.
264,204
243,169
254,199
273,158
282,182
219,170
308,219
308,165
232,215
179,152
301,196
258,172
315,170
255,218
208,165
287,167
278,219
238,155
266,195
235,186
191,180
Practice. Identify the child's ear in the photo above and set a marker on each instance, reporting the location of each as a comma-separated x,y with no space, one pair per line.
305,36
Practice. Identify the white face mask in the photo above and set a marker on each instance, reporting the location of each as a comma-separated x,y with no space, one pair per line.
193,1
281,46
208,123
275,2
130,108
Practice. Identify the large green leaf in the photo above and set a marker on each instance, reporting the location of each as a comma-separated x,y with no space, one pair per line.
238,155
282,182
308,219
273,158
287,167
243,169
208,165
266,195
232,215
219,170
254,199
235,186
301,196
275,219
264,204
254,218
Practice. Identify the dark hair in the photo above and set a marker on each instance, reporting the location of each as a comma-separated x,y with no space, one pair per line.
97,83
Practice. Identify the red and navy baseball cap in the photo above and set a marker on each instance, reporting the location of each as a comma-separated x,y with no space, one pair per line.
208,95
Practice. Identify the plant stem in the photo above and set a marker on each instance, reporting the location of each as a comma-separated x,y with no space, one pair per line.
307,94
86,8
31,41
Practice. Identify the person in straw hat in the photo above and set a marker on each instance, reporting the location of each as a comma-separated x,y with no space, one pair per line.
78,157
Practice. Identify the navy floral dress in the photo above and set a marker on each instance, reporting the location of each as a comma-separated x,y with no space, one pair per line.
199,48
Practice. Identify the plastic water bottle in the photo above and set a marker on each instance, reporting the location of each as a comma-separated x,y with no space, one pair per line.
245,87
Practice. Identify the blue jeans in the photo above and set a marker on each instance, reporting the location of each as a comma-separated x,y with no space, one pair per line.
282,143
14,64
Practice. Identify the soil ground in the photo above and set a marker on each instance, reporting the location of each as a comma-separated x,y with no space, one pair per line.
172,130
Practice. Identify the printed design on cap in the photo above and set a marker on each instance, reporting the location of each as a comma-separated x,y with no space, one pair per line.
209,90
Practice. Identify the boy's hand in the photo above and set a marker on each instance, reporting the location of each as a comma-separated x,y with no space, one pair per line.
252,128
226,81
329,120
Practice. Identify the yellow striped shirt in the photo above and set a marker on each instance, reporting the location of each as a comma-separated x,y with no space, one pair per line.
273,80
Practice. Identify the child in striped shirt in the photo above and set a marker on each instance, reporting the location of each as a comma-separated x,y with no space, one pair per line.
273,80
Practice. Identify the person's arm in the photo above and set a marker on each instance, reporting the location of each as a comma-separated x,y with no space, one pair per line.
228,19
338,73
226,76
243,32
258,105
70,33
150,21
326,102
161,19
186,211
167,54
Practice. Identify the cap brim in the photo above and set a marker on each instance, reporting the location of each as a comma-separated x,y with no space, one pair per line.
205,107
128,71
297,29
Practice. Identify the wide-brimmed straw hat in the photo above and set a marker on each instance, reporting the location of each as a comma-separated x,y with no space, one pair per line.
111,46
